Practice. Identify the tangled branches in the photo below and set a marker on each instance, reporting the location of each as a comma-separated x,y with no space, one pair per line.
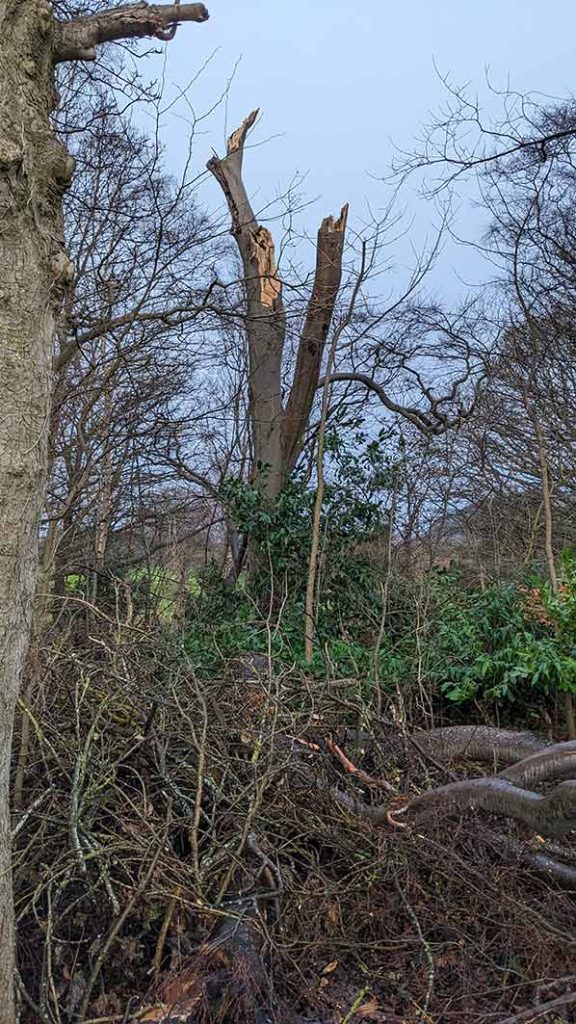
226,850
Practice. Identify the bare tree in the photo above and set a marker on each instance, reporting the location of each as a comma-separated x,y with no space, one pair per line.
461,141
129,346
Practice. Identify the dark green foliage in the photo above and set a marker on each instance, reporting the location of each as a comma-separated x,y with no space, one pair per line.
511,642
503,642
354,525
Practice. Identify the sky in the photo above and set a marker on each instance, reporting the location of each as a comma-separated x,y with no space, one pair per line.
341,83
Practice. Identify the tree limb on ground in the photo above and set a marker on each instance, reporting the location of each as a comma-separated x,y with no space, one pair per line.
481,742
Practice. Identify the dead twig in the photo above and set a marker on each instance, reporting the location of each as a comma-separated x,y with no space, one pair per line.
117,925
536,1012
361,775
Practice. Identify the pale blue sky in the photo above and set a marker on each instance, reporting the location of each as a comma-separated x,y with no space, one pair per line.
337,81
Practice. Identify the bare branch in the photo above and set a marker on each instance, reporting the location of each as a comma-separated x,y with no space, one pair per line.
431,423
78,39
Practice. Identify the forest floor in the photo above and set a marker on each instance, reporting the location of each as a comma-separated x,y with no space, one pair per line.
187,855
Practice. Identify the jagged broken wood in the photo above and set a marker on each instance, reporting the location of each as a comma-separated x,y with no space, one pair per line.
277,428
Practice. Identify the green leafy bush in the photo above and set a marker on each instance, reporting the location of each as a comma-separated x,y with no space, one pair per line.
502,642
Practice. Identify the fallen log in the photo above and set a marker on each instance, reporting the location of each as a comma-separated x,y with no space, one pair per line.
551,764
552,815
539,861
481,743
537,1012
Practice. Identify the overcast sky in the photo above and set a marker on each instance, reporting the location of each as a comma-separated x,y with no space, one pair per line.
339,82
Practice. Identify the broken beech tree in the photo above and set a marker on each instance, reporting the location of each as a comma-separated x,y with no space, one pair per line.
278,427
531,761
35,170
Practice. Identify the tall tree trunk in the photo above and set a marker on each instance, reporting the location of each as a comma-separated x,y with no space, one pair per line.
265,318
34,170
317,513
104,500
546,502
277,431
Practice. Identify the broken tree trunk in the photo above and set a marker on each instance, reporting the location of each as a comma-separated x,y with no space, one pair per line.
327,280
265,319
277,430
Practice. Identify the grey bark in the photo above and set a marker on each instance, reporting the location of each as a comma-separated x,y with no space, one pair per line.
78,39
277,431
544,463
481,742
552,815
538,861
553,763
35,169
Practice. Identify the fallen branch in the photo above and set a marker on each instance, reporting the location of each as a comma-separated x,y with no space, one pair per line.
541,1011
551,815
481,742
362,776
553,763
539,861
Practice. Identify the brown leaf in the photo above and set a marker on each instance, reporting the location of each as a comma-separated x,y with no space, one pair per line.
330,967
333,914
370,1011
451,957
104,1004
